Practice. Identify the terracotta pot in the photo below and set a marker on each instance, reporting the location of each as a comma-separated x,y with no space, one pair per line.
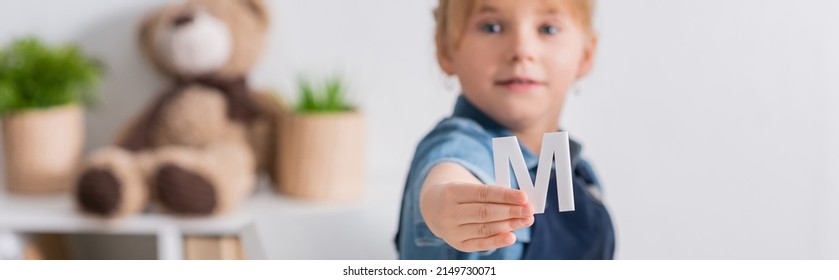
321,156
42,149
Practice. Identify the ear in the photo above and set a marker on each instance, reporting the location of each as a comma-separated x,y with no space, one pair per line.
146,40
146,35
445,61
589,53
444,53
257,7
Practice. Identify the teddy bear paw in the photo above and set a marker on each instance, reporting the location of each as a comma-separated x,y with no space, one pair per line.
185,192
98,192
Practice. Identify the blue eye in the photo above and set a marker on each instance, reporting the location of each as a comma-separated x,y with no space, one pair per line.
549,29
491,28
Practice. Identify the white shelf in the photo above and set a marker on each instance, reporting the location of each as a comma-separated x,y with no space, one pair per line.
276,226
57,214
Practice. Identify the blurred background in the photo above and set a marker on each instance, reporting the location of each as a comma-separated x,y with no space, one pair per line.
712,124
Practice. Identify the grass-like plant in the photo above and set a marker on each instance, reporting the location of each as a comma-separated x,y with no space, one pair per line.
35,76
328,98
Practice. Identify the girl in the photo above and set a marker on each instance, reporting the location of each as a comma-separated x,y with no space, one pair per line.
515,60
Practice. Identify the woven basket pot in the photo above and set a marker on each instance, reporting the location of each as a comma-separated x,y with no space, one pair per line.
321,156
42,149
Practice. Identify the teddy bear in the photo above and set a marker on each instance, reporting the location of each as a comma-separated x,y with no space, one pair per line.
196,150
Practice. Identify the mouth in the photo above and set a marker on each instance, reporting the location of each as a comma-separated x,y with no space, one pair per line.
519,84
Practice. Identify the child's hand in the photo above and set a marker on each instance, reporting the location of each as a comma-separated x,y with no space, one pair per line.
471,216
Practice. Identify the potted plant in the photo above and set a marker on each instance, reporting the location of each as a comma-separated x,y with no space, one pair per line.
41,89
321,145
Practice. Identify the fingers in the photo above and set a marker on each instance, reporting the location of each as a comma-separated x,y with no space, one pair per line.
481,230
470,193
488,212
487,243
474,217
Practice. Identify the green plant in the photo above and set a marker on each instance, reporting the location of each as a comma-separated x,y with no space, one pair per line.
330,98
33,75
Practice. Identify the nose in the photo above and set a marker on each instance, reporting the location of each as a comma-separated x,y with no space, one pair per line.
522,46
183,19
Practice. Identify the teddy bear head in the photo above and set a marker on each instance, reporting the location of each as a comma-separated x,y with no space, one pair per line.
196,38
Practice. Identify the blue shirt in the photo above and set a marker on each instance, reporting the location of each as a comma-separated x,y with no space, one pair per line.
465,139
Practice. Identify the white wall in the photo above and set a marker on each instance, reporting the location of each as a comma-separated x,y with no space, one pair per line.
710,122
713,124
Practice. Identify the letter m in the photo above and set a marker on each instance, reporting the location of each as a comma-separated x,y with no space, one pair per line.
506,150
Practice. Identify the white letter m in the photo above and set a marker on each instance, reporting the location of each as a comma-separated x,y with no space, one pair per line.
554,146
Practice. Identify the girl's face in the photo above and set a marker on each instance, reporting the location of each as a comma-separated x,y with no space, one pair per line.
517,59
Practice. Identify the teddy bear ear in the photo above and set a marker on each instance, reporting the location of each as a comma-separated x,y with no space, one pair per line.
258,7
145,36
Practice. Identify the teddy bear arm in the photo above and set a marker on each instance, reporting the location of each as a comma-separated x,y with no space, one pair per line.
262,132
